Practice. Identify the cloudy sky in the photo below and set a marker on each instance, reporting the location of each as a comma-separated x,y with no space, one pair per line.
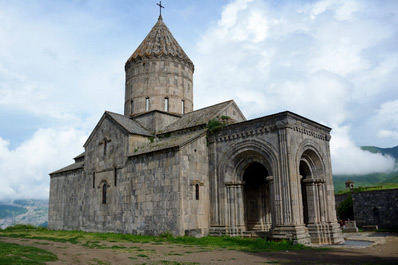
62,65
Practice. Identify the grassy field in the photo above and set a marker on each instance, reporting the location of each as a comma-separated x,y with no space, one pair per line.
94,240
387,186
17,254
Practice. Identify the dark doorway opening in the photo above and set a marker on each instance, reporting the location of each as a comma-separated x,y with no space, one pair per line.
305,173
256,198
376,216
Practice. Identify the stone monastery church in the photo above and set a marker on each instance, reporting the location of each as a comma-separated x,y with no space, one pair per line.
163,167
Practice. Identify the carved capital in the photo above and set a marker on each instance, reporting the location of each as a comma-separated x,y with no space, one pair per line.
235,183
269,179
313,181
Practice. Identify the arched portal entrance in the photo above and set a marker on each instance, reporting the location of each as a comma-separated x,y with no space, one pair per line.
305,174
256,198
312,188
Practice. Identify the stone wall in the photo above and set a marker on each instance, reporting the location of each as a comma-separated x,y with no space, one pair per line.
157,78
194,172
155,121
64,209
379,207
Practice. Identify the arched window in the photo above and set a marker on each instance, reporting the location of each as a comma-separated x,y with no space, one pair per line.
197,191
104,194
182,106
147,104
166,104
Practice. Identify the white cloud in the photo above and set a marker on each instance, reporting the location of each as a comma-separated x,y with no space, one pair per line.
24,170
342,9
347,158
387,116
330,61
50,65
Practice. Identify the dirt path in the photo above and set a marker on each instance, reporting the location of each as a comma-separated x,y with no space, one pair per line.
386,252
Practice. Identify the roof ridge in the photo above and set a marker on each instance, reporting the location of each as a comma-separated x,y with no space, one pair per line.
192,119
211,106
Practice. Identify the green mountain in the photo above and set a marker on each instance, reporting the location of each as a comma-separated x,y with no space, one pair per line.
34,212
7,211
370,180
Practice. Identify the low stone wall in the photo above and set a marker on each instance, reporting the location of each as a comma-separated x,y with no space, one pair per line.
339,198
379,207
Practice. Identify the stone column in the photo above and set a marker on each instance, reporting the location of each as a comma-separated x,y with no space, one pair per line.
321,198
271,200
235,207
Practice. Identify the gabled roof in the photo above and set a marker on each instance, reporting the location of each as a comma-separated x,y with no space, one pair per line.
158,42
125,123
130,125
71,167
198,117
175,141
80,156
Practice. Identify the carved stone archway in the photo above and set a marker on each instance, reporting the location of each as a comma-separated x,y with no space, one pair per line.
242,167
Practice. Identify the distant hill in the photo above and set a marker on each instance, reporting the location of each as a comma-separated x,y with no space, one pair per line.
367,180
373,179
393,151
33,212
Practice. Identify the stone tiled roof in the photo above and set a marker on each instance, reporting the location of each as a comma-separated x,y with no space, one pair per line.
197,117
71,167
175,141
130,125
158,42
80,156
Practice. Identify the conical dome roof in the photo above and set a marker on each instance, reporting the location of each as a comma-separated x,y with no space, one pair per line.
158,42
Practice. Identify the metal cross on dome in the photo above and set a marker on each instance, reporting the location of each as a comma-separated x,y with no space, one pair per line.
160,7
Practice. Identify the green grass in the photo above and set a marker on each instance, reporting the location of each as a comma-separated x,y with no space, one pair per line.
97,240
17,254
385,186
368,180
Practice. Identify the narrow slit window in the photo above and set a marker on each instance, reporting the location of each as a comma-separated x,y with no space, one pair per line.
197,191
115,175
147,104
104,194
182,106
93,179
132,107
166,104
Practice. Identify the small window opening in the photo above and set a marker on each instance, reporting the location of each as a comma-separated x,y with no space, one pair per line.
147,104
93,179
197,191
132,107
104,194
182,106
105,143
166,104
115,175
